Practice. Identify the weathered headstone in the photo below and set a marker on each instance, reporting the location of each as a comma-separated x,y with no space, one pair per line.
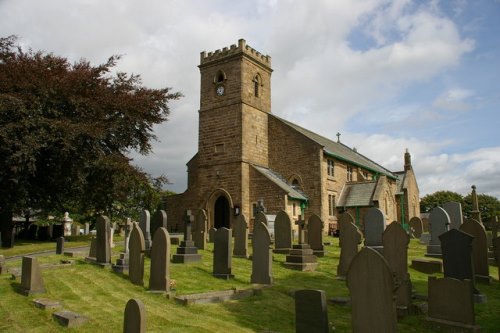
496,251
396,240
159,220
2,263
31,277
374,222
93,248
349,239
60,245
240,227
301,255
145,224
86,230
159,278
315,235
479,249
262,257
211,234
494,226
451,303
134,318
136,256
454,210
103,250
186,251
371,286
75,229
223,254
128,230
311,313
438,224
200,230
282,233
111,234
416,227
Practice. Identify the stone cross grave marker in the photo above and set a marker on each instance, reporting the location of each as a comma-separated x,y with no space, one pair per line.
159,220
416,227
186,251
134,317
136,256
103,250
374,222
315,235
373,302
311,313
479,249
454,210
145,225
282,233
159,278
240,227
302,226
31,277
262,257
200,230
222,259
349,239
439,222
396,240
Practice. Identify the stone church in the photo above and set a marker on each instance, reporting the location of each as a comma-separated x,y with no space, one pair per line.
249,159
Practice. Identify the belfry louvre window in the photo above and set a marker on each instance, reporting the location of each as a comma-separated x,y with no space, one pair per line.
331,205
349,173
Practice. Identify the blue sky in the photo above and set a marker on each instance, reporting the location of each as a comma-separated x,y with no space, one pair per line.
388,75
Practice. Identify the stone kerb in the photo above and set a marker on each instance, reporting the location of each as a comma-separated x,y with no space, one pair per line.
159,278
262,258
134,317
282,233
240,227
349,239
315,235
136,256
375,224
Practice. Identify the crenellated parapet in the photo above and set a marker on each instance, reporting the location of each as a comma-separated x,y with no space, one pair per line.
234,49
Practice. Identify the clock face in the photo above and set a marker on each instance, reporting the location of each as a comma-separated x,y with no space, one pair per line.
220,90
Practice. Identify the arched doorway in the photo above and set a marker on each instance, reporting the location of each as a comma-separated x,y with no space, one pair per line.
221,213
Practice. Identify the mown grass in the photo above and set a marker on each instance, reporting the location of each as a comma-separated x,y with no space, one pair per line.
101,295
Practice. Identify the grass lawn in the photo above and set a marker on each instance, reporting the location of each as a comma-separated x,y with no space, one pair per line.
101,295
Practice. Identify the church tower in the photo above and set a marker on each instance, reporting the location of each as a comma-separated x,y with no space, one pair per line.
235,100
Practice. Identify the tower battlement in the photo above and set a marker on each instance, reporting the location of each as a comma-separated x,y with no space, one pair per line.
242,47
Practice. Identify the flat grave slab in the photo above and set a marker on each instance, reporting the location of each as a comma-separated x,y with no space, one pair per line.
69,319
427,266
216,296
45,303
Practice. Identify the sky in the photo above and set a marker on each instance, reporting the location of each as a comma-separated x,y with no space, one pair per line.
387,75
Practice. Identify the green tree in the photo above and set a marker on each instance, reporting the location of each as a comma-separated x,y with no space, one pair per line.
438,199
488,206
65,131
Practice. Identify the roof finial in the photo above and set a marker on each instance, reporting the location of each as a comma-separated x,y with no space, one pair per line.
338,137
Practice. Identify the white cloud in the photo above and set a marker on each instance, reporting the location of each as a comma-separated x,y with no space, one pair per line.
454,100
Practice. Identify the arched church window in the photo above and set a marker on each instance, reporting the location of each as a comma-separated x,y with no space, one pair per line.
220,77
295,183
257,82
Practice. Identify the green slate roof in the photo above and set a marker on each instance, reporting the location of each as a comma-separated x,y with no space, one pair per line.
340,151
357,194
281,182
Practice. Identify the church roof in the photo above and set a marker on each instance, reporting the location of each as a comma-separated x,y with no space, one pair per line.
357,194
339,150
281,182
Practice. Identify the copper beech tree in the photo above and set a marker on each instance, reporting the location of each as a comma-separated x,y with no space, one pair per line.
65,131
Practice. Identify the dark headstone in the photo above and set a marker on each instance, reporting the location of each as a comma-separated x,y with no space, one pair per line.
31,277
262,258
200,230
374,222
315,235
240,227
311,314
479,249
136,256
134,318
371,286
282,233
438,224
159,220
349,239
223,254
103,250
60,245
416,227
496,251
145,225
454,210
456,247
159,278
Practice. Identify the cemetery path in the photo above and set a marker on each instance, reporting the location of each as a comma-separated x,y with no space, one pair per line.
45,253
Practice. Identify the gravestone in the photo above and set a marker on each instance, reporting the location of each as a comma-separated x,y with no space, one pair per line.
240,227
425,224
454,210
396,240
494,226
301,255
137,248
374,223
31,277
60,245
349,239
75,229
260,217
438,224
450,303
134,317
416,227
479,249
262,257
93,248
2,263
145,225
159,220
103,251
222,259
159,278
496,251
315,235
200,230
311,313
186,251
111,233
86,229
128,230
371,287
211,234
282,233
